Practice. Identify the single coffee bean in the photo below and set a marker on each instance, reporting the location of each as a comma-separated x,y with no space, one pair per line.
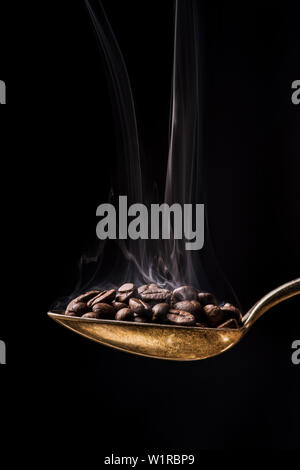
88,296
90,315
76,309
214,315
232,324
105,296
142,288
125,292
139,319
232,312
118,305
139,307
191,306
126,287
160,311
179,317
104,310
205,298
155,294
83,298
91,300
184,293
125,314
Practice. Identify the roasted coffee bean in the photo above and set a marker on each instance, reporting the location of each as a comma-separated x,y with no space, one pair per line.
191,306
214,315
232,324
125,292
179,317
90,315
205,298
139,307
91,300
183,306
125,314
184,293
88,296
118,305
107,296
126,287
147,288
142,288
155,294
139,319
160,311
76,309
104,310
232,312
83,298
104,296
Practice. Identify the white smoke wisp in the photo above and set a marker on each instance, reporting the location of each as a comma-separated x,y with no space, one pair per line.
166,262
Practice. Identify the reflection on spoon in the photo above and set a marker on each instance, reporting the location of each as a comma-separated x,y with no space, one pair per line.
176,343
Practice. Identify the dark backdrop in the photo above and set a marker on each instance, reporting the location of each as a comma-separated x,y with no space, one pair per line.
62,153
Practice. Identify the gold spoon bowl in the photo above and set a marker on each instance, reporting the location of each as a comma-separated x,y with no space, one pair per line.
177,343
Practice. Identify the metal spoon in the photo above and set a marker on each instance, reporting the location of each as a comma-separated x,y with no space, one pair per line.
178,343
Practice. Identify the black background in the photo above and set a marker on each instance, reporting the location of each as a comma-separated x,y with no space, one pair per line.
61,140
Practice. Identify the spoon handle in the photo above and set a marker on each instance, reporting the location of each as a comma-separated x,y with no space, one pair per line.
272,298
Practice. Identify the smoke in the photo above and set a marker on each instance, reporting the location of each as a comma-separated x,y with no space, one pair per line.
163,261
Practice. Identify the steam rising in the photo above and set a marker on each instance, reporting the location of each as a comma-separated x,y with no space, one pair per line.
164,261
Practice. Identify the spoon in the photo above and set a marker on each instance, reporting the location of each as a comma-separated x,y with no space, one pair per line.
177,343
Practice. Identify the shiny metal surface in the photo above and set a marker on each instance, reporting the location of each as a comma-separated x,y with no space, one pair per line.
172,342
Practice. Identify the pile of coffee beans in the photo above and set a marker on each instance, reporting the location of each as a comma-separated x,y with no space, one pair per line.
184,306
